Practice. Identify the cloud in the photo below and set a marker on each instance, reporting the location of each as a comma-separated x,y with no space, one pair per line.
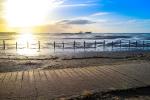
131,22
99,14
57,3
76,22
78,5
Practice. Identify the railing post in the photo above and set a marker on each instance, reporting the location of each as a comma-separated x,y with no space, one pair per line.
143,45
120,43
84,44
4,47
27,44
39,44
74,45
136,44
129,44
16,45
104,44
54,45
112,45
95,44
63,44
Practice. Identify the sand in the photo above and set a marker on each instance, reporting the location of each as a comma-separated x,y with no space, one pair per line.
21,63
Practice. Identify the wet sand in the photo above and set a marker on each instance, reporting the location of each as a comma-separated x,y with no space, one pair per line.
20,63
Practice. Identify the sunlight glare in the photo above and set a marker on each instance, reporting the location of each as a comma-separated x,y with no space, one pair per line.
27,52
22,41
25,13
25,37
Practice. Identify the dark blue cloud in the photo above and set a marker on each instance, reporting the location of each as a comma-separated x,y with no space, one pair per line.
77,22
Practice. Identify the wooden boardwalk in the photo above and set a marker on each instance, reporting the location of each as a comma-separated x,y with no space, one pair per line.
48,84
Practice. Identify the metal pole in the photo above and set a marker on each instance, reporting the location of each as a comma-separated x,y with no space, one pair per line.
63,44
54,45
112,45
120,43
84,44
4,45
143,45
27,44
39,45
136,44
16,45
104,43
74,44
95,44
129,44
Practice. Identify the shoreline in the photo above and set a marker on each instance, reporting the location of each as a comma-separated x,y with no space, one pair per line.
77,55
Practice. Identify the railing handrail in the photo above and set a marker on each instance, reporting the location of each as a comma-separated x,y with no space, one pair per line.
95,44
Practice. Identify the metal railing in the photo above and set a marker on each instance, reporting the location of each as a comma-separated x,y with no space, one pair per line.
128,44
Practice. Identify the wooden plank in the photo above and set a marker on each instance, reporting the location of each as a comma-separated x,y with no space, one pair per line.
69,73
12,85
71,85
32,83
40,81
19,83
105,81
86,84
37,80
1,76
78,81
58,83
5,89
92,79
113,77
139,68
124,81
98,80
42,75
44,86
76,77
51,86
61,80
26,91
72,74
138,76
53,80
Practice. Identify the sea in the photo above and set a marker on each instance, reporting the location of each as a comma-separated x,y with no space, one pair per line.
30,44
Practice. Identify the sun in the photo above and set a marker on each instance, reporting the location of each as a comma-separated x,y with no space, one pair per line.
27,13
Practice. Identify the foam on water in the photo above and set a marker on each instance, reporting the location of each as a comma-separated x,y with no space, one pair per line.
29,43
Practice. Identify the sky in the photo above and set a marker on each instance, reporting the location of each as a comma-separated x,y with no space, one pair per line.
109,16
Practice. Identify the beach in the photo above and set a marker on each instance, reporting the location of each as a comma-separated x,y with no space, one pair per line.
74,50
106,59
49,59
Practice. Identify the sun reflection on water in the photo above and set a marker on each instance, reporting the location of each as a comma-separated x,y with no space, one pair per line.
26,37
27,44
27,52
